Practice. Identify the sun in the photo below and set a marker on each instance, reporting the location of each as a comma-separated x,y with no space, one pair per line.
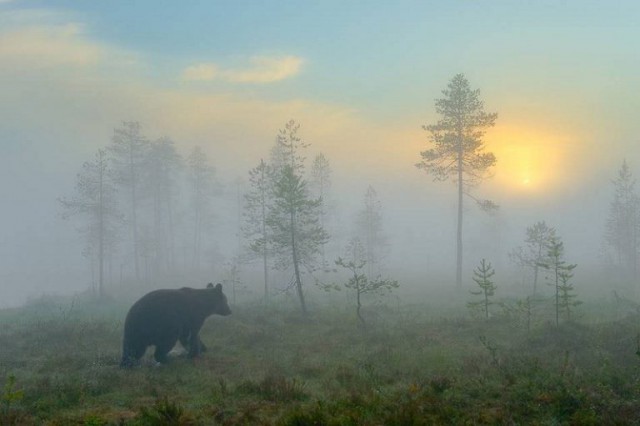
526,158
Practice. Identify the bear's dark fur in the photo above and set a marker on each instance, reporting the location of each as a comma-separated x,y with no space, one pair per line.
163,317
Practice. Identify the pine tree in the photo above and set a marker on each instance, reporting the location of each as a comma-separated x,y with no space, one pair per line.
623,223
369,225
482,276
293,222
560,273
458,151
161,171
256,208
566,298
538,237
96,200
289,149
204,185
294,215
321,184
359,282
129,150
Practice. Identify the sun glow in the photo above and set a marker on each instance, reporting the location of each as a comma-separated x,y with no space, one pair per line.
526,159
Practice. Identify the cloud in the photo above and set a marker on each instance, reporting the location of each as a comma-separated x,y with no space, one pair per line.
262,69
201,72
46,46
36,40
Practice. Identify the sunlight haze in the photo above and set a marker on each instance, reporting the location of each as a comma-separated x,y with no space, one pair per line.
361,81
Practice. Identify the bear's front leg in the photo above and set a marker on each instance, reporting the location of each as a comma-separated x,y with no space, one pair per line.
194,344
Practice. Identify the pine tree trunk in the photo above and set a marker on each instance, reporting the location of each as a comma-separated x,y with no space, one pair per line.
359,304
459,233
101,235
486,305
134,221
264,239
557,299
535,269
296,266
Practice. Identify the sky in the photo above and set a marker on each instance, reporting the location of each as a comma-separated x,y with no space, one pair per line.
360,77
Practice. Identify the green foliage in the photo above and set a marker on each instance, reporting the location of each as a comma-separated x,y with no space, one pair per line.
566,297
359,282
267,368
482,276
276,388
295,228
256,207
293,217
457,144
538,237
164,413
11,397
560,274
526,312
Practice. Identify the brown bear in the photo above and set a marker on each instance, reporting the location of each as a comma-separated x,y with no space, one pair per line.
163,317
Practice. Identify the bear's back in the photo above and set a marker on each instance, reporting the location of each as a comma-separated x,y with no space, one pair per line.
158,307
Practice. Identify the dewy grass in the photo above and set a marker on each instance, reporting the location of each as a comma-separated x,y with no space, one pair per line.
267,366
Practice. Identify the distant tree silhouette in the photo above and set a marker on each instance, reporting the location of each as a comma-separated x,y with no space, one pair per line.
129,150
370,231
257,203
96,200
623,223
538,237
204,185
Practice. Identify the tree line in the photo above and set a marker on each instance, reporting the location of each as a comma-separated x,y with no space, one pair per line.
286,217
147,211
133,178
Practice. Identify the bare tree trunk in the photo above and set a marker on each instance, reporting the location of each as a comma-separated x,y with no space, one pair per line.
459,233
134,221
359,304
101,230
296,267
486,305
101,242
557,298
171,242
265,264
196,241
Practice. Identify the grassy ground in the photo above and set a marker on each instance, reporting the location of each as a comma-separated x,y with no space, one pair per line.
412,365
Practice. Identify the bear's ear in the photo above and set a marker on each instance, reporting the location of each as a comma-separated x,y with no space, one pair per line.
219,287
210,285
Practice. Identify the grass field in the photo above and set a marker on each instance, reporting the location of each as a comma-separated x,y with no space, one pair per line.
413,364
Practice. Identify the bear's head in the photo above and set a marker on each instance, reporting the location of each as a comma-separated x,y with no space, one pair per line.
217,300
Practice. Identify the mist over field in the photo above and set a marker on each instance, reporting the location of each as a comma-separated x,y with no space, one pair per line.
71,75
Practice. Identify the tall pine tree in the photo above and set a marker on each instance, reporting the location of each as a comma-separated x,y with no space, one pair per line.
458,151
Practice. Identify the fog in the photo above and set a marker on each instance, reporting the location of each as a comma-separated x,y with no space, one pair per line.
42,253
563,87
